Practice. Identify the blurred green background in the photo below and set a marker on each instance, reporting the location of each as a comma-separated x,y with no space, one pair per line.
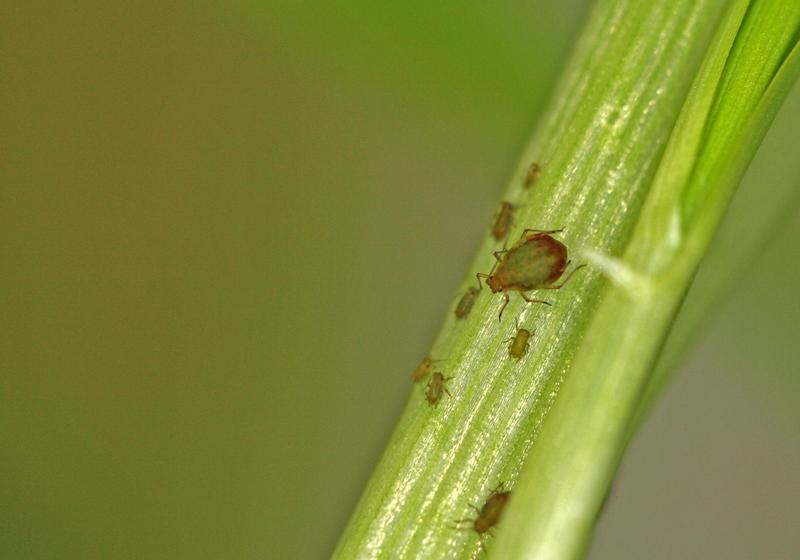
230,231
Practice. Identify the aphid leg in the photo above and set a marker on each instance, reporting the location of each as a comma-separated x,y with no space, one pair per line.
508,299
547,231
497,255
532,300
480,275
559,286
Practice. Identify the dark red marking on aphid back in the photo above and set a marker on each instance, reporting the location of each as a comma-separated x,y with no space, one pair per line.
556,254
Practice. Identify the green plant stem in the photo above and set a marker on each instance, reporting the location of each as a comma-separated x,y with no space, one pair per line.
600,149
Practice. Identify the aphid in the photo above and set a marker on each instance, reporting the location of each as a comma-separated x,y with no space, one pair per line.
519,342
433,392
532,176
489,515
503,220
423,369
534,263
466,302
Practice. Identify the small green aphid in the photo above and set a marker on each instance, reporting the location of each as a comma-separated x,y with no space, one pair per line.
435,388
489,515
534,263
466,302
503,220
423,370
519,342
532,176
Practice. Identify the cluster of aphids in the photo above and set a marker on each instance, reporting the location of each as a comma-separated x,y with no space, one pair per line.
536,262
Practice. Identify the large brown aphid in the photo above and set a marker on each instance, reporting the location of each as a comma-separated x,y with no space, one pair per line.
532,176
423,369
503,221
519,342
489,515
435,388
534,263
466,302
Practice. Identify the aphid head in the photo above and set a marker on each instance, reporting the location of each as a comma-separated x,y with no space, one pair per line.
494,284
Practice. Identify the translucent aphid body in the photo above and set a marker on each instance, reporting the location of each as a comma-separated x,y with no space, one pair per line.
503,221
466,302
519,343
423,370
435,388
532,176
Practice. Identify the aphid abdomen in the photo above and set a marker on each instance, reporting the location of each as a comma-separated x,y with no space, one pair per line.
531,265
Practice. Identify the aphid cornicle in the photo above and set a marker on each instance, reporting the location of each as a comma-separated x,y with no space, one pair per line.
519,343
503,220
532,176
423,369
466,302
534,263
489,515
435,388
